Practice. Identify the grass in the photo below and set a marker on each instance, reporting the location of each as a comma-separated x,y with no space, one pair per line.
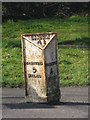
73,63
73,67
12,67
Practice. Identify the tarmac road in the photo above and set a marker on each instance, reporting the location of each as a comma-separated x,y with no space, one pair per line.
73,104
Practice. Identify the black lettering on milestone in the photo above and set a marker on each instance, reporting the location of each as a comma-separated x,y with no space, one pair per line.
34,63
34,76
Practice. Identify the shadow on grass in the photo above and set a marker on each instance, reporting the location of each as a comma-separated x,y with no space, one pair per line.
11,43
65,62
78,41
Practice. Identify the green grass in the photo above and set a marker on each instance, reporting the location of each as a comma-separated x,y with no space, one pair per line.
73,63
73,67
12,67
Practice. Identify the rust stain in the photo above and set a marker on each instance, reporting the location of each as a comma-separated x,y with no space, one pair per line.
23,62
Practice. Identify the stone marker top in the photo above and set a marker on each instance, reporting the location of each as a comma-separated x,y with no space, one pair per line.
40,40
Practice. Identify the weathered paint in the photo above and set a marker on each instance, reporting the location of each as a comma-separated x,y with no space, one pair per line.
40,67
51,68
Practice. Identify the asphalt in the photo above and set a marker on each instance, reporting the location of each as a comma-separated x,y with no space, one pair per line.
73,104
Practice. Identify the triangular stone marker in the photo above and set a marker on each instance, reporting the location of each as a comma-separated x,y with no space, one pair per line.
39,40
40,67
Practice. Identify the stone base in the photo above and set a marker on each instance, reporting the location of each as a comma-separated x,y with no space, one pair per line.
36,99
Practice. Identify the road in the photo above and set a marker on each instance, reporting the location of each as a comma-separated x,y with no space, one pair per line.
73,104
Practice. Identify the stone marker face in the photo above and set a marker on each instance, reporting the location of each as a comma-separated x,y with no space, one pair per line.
40,65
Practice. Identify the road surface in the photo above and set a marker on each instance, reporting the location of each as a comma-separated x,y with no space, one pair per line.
73,104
